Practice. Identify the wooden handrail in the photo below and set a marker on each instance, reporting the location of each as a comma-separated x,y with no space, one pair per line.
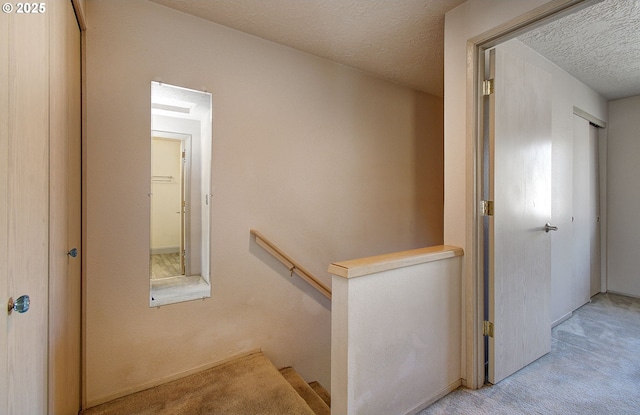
291,265
379,263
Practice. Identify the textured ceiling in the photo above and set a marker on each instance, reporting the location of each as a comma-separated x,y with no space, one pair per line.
399,40
599,45
403,40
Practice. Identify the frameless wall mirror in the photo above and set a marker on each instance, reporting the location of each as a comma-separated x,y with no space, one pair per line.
180,183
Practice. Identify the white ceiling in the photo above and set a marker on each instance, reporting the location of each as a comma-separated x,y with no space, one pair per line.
403,40
599,45
199,102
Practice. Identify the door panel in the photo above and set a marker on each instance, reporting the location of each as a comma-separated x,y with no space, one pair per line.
25,154
586,228
520,186
581,285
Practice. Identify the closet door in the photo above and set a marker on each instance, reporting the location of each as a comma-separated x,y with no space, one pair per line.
585,217
24,210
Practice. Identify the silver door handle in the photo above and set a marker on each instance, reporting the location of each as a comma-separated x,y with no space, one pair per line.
548,227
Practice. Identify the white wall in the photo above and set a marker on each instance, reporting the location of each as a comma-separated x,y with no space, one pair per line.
623,196
329,162
403,332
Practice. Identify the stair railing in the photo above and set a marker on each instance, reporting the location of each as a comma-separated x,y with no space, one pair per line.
291,265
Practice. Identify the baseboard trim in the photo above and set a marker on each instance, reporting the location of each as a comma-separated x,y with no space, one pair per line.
450,388
165,250
100,400
620,293
562,319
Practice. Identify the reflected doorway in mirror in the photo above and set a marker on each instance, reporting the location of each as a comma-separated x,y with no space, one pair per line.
180,183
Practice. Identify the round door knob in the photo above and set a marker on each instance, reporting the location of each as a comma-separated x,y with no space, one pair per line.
73,253
21,305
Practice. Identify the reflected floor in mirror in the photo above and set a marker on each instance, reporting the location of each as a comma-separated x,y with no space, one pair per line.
165,265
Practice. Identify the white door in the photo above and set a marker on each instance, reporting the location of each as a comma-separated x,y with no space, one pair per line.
24,209
519,257
586,226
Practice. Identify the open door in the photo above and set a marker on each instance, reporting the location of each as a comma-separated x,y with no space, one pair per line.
519,180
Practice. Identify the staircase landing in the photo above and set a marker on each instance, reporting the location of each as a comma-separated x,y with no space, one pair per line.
245,386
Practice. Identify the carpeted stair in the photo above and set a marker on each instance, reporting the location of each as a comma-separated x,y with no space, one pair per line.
248,385
314,399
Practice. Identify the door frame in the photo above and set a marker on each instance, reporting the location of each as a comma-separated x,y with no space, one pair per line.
474,347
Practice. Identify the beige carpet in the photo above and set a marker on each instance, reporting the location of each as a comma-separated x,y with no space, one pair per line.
314,399
593,369
249,385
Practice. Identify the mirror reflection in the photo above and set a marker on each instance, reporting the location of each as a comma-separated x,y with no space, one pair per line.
179,193
169,185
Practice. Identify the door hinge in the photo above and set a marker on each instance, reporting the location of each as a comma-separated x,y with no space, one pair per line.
487,328
487,208
488,87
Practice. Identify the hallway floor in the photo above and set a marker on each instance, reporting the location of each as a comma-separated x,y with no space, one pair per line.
593,368
165,266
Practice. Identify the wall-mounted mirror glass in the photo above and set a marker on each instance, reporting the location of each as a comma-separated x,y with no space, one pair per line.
180,182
